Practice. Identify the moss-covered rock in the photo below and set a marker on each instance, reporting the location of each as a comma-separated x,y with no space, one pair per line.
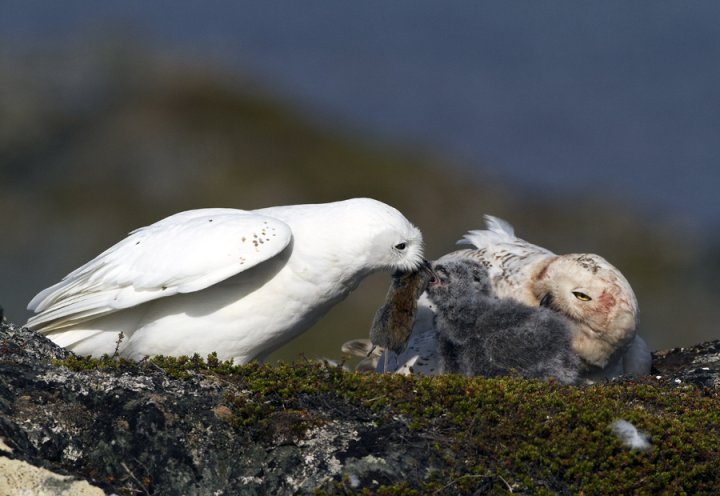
201,426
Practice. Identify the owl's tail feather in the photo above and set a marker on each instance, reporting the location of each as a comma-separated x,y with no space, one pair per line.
498,231
499,226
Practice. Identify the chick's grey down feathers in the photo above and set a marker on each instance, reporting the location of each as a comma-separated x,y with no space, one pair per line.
480,334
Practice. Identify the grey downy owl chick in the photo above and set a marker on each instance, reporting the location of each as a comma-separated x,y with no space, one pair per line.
480,334
393,321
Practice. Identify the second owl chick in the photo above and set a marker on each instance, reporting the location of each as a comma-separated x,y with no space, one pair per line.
480,334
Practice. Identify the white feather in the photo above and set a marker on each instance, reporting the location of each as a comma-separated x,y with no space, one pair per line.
499,226
498,231
629,435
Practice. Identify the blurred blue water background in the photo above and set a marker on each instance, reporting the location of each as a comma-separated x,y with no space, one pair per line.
553,95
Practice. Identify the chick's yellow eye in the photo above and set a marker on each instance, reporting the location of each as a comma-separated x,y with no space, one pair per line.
581,296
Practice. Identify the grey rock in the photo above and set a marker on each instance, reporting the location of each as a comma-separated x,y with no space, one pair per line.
136,430
698,365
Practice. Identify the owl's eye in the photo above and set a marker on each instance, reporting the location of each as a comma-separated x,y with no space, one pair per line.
581,296
400,246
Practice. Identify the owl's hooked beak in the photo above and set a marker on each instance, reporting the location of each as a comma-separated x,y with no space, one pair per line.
425,266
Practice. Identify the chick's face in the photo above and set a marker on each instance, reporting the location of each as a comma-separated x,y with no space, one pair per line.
457,279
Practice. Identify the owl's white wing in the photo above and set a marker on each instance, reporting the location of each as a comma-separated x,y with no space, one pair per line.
185,252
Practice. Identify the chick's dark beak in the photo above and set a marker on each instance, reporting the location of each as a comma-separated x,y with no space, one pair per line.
427,268
546,301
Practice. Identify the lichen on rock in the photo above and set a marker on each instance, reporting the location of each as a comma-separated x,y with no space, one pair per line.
201,426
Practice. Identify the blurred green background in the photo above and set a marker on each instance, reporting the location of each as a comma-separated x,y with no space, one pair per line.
102,132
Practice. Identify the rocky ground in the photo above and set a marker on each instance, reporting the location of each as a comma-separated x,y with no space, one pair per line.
167,426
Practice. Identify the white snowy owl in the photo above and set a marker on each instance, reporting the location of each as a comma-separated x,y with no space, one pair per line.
236,282
594,296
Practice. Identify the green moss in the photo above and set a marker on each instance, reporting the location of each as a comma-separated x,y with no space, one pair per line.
105,362
491,434
182,367
533,435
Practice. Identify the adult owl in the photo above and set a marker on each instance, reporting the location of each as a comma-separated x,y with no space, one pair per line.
237,282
